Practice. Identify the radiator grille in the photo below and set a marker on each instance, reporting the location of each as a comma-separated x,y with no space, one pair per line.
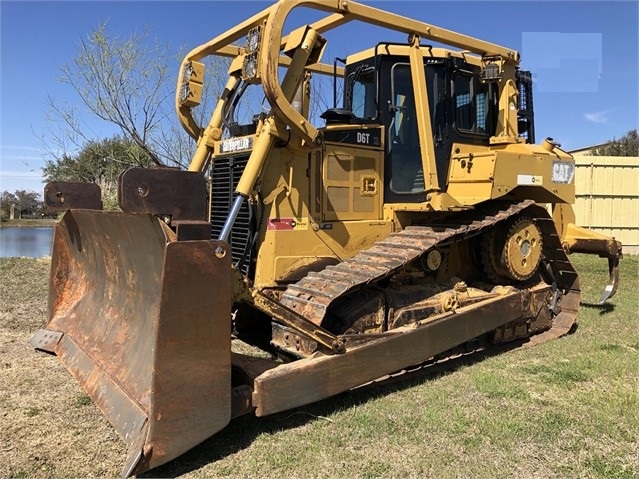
225,174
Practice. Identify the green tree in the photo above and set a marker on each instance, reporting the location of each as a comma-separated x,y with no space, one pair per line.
99,162
6,200
627,145
27,203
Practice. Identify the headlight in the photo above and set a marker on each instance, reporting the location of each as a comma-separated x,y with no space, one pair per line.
491,72
192,80
253,40
250,67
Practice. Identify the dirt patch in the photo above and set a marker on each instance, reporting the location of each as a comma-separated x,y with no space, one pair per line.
49,427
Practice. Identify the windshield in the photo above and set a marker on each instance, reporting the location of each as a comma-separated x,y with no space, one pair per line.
361,92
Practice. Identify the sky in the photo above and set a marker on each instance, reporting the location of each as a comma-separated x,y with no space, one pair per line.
583,55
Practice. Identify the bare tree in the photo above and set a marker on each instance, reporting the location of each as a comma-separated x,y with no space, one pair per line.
129,83
122,82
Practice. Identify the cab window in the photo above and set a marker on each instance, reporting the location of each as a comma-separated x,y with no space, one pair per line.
470,102
361,92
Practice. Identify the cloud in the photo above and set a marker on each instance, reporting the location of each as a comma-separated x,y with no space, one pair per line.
19,174
598,116
13,157
13,180
19,147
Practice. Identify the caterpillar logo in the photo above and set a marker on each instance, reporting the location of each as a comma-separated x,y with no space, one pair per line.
563,171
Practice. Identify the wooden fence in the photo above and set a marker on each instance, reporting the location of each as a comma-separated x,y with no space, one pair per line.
607,191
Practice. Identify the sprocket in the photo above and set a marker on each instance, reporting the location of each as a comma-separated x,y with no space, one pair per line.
522,250
512,251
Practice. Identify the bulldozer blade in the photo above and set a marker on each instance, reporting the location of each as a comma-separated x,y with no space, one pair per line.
142,321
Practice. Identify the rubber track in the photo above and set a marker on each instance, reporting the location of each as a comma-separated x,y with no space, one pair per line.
313,294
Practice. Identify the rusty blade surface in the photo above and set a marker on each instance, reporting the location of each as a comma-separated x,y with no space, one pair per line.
143,323
163,191
64,195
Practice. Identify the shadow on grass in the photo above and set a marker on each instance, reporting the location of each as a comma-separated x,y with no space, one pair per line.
242,431
603,308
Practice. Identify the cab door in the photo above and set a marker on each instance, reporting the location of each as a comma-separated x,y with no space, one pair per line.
404,173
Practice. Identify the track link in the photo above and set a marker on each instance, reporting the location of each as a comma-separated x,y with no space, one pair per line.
313,294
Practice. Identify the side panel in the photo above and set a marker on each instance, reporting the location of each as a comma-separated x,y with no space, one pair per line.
516,171
288,245
320,208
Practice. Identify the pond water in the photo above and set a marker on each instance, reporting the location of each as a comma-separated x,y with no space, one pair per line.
27,242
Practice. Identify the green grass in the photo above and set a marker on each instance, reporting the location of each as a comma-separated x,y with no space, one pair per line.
32,411
567,408
82,400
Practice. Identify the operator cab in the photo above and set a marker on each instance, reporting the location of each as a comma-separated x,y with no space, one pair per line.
379,90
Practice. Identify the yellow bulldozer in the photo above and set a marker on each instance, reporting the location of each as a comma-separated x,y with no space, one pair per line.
418,220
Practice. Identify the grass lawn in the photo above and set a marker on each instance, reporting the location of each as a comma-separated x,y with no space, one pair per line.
565,408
